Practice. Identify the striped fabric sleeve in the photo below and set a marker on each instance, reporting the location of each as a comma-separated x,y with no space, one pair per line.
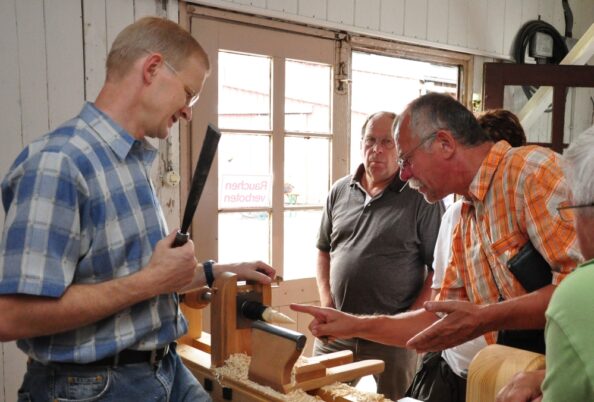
42,229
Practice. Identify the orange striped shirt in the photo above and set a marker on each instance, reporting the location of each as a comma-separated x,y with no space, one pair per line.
513,200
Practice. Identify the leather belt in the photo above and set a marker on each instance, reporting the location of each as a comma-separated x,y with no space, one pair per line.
130,356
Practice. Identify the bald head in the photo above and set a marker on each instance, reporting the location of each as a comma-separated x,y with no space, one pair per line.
383,117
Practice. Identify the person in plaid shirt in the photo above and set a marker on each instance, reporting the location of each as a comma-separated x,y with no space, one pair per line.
88,275
512,196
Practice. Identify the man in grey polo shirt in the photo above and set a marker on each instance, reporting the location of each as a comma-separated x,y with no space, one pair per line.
375,245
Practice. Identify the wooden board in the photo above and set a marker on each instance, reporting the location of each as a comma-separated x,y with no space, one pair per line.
312,367
342,373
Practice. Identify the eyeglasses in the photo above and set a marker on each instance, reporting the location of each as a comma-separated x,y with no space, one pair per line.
404,160
191,95
565,210
386,143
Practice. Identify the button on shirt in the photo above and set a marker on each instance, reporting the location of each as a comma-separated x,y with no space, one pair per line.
513,200
80,208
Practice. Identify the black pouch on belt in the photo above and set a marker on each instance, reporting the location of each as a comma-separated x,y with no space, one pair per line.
533,272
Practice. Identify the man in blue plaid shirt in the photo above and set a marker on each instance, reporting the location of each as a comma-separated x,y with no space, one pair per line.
88,276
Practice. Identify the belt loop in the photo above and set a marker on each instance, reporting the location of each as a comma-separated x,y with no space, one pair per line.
153,358
116,360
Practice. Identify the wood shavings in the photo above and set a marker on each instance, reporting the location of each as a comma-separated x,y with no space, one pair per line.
237,366
339,389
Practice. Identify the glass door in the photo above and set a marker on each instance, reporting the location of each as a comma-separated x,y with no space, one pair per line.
272,95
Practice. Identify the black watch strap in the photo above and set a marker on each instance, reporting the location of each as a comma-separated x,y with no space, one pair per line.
207,265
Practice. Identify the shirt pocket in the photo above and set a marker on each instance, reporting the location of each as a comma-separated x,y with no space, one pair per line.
508,245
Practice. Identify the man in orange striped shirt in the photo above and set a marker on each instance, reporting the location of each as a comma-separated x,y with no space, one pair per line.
512,197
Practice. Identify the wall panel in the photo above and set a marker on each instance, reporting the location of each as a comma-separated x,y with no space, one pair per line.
529,10
495,28
143,8
546,9
415,22
513,22
10,97
10,116
312,8
367,14
477,24
96,47
285,6
118,14
65,69
437,20
457,20
392,16
341,11
33,68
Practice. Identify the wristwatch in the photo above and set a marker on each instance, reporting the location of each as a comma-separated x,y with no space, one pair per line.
207,265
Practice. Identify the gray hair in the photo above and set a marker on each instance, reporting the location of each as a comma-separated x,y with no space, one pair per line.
578,167
392,115
434,111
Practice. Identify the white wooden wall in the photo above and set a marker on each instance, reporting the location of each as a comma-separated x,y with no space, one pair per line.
53,54
480,27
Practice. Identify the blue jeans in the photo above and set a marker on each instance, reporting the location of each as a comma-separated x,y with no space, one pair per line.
169,381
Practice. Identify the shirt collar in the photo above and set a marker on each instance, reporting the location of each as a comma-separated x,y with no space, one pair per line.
396,184
482,180
119,140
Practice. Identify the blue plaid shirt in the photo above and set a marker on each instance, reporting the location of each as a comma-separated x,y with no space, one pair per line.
81,208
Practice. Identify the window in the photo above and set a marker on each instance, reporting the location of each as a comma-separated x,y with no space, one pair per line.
246,118
275,106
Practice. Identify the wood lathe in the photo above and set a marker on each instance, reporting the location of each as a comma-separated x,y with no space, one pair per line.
276,371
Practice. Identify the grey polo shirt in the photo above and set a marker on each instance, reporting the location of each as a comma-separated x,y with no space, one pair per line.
379,248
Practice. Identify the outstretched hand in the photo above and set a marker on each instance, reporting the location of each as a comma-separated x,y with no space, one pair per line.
462,322
328,323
